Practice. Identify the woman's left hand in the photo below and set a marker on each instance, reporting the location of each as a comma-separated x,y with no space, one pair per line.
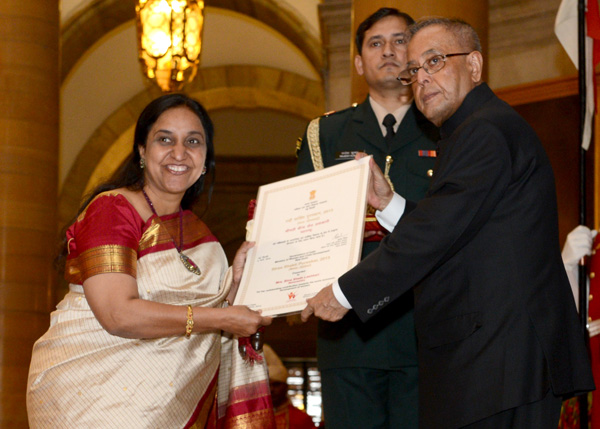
239,261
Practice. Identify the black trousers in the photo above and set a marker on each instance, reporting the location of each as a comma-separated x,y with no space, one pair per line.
365,398
543,414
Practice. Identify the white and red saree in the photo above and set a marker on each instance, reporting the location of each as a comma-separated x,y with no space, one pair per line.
82,376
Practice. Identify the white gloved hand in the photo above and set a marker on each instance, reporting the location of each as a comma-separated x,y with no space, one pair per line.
578,244
594,328
249,226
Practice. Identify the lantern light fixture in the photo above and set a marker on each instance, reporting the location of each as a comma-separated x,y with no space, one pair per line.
170,41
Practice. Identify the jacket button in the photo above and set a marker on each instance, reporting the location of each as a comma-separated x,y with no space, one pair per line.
592,275
430,173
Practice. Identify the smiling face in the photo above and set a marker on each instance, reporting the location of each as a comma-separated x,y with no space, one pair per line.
383,54
439,95
174,154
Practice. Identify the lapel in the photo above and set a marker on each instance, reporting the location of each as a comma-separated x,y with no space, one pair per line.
408,130
414,127
366,127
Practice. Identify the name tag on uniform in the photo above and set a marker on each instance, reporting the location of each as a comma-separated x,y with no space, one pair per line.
345,155
427,153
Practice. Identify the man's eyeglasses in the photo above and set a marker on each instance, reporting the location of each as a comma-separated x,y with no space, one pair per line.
431,66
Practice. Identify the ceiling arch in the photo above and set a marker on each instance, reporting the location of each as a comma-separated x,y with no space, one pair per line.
102,16
245,87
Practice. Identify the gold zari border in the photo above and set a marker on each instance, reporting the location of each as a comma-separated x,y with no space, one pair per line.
110,258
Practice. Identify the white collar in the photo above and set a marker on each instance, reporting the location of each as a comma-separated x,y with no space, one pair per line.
381,112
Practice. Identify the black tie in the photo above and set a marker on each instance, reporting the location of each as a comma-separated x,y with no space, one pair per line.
388,123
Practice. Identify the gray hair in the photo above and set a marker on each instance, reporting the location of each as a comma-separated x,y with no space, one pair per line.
465,34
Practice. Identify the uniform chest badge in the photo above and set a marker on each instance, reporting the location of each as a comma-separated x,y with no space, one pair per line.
345,155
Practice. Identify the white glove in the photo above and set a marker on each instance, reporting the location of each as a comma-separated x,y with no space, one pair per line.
594,328
249,227
578,244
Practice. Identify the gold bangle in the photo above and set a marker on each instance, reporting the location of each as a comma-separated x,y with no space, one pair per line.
189,326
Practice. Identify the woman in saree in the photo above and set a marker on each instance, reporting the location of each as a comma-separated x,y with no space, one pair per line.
144,336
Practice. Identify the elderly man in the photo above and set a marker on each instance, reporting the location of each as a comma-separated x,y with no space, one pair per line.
498,335
366,368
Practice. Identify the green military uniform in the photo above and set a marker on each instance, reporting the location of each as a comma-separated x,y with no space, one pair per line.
386,344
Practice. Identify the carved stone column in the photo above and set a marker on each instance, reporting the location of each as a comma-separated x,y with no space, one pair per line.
29,40
335,19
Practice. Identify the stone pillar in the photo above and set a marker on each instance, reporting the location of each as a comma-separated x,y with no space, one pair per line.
29,92
475,12
335,18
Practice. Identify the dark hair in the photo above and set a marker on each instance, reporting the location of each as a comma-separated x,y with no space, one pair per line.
130,175
465,34
378,15
131,169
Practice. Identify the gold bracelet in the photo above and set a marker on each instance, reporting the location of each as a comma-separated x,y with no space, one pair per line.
189,326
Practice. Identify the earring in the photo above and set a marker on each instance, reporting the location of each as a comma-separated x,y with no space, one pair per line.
142,163
203,171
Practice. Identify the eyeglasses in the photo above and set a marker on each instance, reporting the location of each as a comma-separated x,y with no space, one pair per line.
431,66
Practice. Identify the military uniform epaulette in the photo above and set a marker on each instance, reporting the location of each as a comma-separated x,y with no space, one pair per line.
315,124
335,112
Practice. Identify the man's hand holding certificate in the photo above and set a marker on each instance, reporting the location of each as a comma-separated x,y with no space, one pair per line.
308,231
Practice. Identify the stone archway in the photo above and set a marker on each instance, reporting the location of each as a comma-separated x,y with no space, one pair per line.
103,16
217,88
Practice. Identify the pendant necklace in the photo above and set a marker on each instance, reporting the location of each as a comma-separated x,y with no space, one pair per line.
186,261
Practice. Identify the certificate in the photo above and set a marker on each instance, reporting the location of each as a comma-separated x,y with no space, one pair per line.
308,231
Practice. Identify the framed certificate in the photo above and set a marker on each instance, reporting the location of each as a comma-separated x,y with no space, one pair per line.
308,231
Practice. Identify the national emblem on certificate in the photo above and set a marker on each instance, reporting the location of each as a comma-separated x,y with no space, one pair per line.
308,231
